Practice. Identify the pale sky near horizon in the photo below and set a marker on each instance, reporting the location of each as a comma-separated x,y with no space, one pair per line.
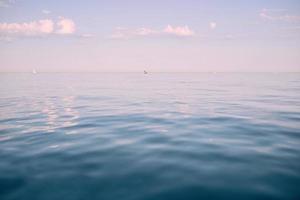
157,35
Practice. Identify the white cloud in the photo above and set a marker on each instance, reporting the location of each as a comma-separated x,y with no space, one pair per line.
212,25
182,31
43,27
125,33
65,26
278,15
40,27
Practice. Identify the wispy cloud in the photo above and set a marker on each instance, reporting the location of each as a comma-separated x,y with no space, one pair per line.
178,31
6,3
46,12
42,27
86,35
278,15
126,33
213,25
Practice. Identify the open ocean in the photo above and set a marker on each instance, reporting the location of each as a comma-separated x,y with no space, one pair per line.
130,136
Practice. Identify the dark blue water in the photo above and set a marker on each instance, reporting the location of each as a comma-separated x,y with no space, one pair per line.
155,136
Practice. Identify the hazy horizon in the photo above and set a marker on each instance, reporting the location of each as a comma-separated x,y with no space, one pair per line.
132,36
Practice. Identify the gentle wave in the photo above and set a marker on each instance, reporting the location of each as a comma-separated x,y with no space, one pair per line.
155,136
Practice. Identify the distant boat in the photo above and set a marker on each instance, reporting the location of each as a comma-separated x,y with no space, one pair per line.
145,72
34,71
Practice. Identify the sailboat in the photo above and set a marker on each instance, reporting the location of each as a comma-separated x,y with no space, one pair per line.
34,71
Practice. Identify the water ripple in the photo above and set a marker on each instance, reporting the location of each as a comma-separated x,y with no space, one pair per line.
127,136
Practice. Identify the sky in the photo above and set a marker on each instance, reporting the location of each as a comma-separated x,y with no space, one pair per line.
156,35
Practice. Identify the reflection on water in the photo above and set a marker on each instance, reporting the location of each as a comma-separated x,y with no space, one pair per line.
160,136
59,113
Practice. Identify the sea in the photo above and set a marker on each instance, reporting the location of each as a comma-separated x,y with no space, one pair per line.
155,136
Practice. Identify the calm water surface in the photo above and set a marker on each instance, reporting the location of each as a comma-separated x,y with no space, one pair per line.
155,136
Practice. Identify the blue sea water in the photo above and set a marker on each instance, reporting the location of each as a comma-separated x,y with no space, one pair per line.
158,136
